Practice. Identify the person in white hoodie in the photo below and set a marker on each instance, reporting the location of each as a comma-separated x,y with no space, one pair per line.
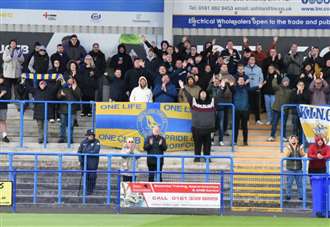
141,93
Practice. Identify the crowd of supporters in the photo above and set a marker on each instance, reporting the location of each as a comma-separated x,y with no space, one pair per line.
254,80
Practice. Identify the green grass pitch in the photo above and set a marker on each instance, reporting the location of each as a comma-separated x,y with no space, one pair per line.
122,220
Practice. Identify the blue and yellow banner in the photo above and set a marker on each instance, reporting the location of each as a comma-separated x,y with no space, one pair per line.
315,121
116,121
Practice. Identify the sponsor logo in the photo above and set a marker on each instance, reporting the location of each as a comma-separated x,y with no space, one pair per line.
24,48
150,118
96,17
139,19
49,16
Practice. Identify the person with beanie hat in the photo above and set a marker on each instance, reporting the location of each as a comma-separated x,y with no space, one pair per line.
282,96
318,152
191,88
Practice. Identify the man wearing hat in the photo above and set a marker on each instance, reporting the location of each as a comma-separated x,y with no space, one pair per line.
89,147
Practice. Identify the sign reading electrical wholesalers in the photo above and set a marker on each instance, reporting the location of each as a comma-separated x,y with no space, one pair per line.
253,14
170,195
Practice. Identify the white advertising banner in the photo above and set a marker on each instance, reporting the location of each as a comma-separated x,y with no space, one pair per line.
81,18
170,195
253,7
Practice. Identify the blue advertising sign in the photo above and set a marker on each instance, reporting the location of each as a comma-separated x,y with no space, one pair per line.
252,22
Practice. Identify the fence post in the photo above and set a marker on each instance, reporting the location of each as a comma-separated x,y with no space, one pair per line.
84,178
13,179
45,124
21,122
10,164
233,117
281,183
59,180
182,169
69,124
35,179
93,115
158,169
222,191
133,168
109,180
281,127
231,181
207,168
305,172
118,193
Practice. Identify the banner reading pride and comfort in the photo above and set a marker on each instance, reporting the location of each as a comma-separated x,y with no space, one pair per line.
116,121
315,120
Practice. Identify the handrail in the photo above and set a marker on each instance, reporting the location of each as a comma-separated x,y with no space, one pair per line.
21,104
60,156
304,174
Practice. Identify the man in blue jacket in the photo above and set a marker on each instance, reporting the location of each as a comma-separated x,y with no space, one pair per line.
254,72
241,102
91,147
166,91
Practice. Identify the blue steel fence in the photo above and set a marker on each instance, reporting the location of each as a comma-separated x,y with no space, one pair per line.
109,171
304,173
22,103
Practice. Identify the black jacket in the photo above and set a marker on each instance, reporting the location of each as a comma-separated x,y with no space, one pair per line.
4,87
70,95
132,77
278,63
89,147
303,98
99,61
155,148
118,89
121,60
87,82
62,58
41,63
268,88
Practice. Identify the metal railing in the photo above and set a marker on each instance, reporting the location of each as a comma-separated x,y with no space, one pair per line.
284,173
22,103
108,170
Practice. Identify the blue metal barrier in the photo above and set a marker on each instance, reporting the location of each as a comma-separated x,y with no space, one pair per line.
22,103
304,180
283,107
109,171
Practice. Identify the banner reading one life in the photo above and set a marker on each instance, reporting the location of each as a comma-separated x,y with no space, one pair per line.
315,120
116,121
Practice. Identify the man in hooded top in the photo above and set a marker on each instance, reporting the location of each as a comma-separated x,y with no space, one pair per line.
318,152
121,60
141,93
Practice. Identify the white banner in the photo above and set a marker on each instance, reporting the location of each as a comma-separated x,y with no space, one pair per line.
253,7
315,121
81,18
170,195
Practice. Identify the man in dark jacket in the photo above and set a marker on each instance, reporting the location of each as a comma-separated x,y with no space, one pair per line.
100,65
61,56
133,75
294,150
231,56
117,87
69,92
155,145
89,148
74,50
42,93
121,60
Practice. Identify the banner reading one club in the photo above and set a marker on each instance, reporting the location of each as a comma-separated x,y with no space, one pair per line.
315,120
116,121
170,195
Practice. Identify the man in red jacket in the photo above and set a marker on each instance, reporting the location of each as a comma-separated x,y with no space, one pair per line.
319,153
